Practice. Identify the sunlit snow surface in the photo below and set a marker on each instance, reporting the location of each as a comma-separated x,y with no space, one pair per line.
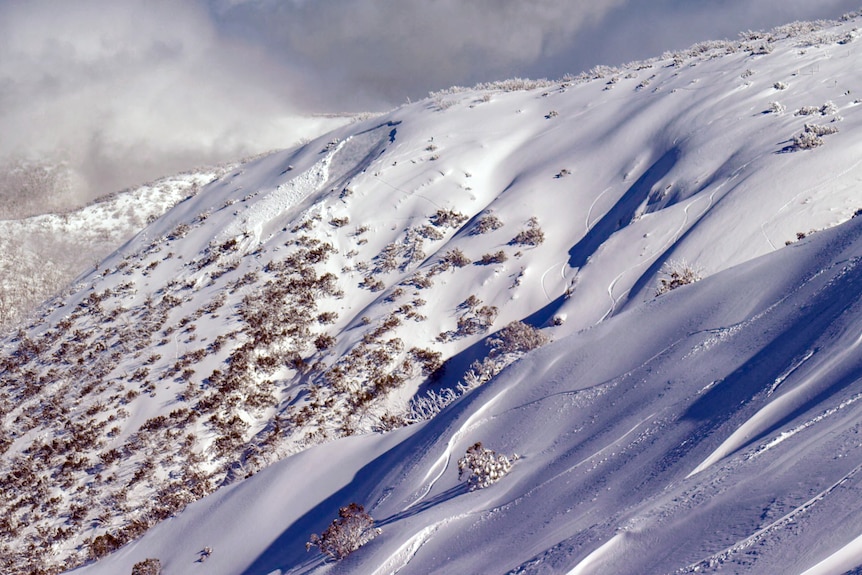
711,429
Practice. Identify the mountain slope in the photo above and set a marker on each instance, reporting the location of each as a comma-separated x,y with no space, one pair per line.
43,253
723,438
372,277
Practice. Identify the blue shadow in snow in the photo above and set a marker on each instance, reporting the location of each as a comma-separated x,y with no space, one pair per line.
623,211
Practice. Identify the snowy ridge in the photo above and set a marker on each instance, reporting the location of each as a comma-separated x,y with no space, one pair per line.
41,254
245,366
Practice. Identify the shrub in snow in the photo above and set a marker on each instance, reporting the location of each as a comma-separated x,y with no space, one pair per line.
103,545
761,49
353,529
819,130
517,337
495,258
482,466
777,107
780,86
486,223
807,111
532,236
454,257
147,567
807,141
448,218
678,273
529,237
828,109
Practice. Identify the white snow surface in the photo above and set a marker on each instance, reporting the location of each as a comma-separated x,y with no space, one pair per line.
714,428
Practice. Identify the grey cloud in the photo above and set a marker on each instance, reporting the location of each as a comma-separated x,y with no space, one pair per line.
126,90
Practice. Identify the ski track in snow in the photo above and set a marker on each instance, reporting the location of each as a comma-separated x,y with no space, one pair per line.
587,224
773,410
402,557
442,462
724,555
562,265
804,192
785,435
647,260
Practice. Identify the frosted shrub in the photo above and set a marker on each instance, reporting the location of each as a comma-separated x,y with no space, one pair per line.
807,111
532,236
828,109
482,466
678,273
495,258
517,337
425,407
487,223
820,130
448,219
807,141
777,107
353,529
147,567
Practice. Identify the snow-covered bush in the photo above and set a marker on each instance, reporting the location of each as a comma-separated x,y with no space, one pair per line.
532,236
828,109
677,273
807,141
448,219
495,258
103,545
821,130
147,567
482,466
517,337
487,223
777,107
780,86
807,111
353,529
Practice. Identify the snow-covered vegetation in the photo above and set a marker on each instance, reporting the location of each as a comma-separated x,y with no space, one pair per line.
338,329
41,253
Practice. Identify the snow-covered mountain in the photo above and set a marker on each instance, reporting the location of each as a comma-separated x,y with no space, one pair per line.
333,324
40,254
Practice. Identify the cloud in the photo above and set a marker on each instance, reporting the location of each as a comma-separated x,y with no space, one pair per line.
126,90
381,49
364,51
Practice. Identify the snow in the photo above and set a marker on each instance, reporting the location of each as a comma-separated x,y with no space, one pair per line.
710,429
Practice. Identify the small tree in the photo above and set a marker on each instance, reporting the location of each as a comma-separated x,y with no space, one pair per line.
353,529
482,466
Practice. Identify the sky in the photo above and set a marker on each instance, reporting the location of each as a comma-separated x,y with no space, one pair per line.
123,91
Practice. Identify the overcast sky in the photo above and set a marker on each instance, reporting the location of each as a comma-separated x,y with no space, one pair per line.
128,90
